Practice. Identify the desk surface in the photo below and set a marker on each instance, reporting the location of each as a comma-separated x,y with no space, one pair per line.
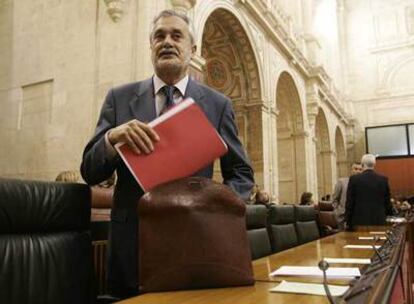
308,254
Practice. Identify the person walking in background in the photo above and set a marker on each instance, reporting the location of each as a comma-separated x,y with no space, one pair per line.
339,195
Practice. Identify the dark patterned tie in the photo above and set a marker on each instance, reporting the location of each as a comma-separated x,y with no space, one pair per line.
168,92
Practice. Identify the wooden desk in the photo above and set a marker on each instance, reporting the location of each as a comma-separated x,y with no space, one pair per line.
257,294
308,254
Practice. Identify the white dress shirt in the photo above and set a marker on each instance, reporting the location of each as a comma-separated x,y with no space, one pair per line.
160,100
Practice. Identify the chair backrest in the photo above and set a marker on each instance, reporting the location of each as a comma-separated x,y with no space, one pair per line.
256,223
328,218
306,226
325,206
45,245
282,227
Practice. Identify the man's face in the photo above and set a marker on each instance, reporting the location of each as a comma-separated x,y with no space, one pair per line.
171,46
355,169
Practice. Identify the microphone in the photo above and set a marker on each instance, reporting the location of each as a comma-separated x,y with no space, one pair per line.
376,238
323,265
388,235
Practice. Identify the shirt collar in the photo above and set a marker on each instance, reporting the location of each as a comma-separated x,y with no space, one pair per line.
181,85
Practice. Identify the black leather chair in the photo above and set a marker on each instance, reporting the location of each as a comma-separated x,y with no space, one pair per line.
328,222
306,226
45,245
256,222
325,206
282,227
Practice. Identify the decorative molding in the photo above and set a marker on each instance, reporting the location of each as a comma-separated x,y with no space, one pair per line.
278,27
183,6
115,9
301,134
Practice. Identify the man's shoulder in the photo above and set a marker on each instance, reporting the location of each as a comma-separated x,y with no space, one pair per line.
380,176
343,180
211,93
132,86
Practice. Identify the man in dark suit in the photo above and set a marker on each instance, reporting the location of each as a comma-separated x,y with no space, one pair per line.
368,196
124,117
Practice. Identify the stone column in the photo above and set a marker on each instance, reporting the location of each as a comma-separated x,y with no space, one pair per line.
342,168
312,109
197,68
329,171
273,174
301,139
342,40
254,140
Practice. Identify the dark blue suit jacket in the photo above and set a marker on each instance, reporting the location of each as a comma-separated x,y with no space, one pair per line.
137,101
368,199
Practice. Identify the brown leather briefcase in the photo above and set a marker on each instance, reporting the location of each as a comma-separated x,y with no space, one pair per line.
192,234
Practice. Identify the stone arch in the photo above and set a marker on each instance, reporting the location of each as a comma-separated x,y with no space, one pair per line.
231,68
206,9
341,159
290,140
324,155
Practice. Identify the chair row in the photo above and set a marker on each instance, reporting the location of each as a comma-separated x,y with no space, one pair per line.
280,227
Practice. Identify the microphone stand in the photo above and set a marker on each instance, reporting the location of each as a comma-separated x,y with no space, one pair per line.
388,235
323,265
376,238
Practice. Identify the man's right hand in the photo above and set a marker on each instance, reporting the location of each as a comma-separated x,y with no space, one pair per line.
136,134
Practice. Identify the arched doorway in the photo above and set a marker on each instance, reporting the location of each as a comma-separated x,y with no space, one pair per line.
231,68
341,162
323,155
290,141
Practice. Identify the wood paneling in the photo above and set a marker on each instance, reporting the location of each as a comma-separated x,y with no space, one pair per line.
400,172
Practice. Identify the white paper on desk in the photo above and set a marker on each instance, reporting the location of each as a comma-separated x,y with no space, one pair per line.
332,272
396,220
377,232
370,238
309,288
361,246
347,261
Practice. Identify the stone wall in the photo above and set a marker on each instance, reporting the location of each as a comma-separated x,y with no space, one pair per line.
381,63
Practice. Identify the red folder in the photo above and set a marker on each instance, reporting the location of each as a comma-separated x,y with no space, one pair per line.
188,142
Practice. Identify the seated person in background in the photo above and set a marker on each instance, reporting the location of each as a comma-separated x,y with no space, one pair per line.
102,199
259,196
262,197
71,176
306,199
253,193
395,205
400,205
326,198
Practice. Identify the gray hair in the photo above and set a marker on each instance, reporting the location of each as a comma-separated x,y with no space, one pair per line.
172,13
368,161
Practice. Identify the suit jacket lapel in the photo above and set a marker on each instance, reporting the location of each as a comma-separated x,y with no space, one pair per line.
143,103
194,91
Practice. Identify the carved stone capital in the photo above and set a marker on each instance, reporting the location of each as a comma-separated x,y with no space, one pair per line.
183,6
312,109
115,9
